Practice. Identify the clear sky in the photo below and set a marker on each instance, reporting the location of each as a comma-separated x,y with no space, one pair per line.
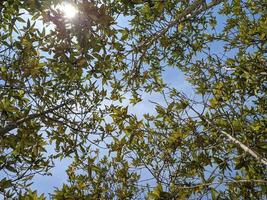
172,76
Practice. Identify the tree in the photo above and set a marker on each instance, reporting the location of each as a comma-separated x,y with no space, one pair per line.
65,86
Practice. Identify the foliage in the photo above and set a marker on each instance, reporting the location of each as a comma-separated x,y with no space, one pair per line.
66,83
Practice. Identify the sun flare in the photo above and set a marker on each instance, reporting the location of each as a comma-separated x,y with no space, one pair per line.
68,10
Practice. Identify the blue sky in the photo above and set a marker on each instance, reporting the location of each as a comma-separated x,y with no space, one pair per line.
47,184
172,76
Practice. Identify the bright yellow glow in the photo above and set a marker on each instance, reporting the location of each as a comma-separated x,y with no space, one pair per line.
68,9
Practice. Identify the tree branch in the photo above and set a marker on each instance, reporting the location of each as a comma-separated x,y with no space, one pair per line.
186,14
257,156
225,182
245,148
13,125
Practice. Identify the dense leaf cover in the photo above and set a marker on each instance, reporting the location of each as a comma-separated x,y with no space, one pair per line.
67,84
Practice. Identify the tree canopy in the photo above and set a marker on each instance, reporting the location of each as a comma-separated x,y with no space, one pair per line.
72,85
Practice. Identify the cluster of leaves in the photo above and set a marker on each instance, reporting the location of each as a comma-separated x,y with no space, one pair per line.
64,83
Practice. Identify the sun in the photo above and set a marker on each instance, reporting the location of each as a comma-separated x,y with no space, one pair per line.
69,10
